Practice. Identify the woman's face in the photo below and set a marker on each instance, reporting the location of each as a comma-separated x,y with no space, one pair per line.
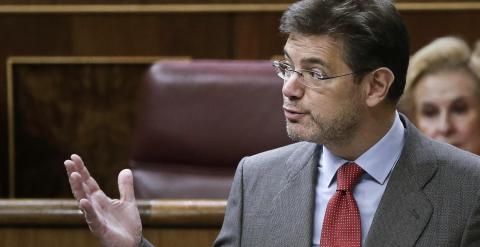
447,108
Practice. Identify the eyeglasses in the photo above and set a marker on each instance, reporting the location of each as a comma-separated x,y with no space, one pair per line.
309,78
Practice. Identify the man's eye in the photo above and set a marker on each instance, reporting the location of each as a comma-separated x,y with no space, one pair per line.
286,66
316,75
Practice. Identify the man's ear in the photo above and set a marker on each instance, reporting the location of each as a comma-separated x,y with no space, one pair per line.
379,83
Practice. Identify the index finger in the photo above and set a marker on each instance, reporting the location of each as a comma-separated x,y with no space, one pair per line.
76,185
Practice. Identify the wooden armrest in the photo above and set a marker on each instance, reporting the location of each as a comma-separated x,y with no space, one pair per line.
26,212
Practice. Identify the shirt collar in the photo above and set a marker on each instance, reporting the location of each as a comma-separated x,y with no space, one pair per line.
378,161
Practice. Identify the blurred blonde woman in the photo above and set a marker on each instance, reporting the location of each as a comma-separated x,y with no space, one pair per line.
442,94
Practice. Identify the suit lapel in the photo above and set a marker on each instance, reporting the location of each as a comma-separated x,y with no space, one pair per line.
404,211
292,213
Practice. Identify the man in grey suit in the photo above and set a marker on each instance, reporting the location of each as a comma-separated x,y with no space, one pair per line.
344,70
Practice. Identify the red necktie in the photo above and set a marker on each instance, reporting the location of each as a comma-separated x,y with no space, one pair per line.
341,225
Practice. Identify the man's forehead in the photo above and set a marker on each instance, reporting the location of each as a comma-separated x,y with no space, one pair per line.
312,48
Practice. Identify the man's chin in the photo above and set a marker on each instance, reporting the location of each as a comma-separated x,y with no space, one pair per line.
296,132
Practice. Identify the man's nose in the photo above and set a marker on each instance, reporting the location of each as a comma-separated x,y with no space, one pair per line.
293,88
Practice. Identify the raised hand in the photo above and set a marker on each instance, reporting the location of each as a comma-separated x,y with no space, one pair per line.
116,222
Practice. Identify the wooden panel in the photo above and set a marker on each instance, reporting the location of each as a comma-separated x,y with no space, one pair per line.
193,35
27,35
30,236
424,27
60,223
256,36
81,237
71,105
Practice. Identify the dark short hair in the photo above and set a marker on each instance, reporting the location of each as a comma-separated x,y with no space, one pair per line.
372,32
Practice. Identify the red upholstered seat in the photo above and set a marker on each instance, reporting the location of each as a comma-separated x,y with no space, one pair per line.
197,120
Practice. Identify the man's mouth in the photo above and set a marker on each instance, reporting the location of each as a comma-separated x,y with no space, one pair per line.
293,114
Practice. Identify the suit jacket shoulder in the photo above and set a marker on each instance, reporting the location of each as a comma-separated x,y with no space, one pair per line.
281,163
432,197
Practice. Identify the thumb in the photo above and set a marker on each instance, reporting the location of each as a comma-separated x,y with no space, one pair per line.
125,185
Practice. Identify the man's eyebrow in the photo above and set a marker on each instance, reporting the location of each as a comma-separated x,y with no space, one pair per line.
308,61
313,60
286,55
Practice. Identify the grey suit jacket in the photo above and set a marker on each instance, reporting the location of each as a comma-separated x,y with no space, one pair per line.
431,199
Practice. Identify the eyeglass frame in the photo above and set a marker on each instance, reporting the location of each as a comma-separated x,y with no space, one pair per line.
276,64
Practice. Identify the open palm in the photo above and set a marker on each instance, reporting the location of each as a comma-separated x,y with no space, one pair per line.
116,222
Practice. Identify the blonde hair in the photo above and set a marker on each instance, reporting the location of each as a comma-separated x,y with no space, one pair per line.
446,53
475,60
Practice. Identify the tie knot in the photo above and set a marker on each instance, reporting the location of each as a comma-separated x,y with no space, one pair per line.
348,175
